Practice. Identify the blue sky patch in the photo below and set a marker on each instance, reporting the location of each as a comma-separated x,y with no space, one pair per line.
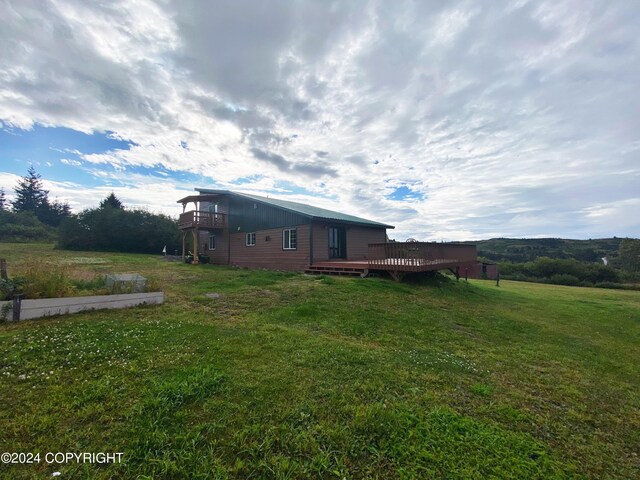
249,179
405,193
54,151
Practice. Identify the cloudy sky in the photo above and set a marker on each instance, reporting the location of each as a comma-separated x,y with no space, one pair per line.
451,120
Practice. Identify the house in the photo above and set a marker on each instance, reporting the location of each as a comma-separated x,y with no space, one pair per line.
252,231
484,270
245,230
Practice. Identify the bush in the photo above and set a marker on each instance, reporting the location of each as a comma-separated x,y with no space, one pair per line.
563,279
617,286
559,271
24,227
629,277
119,230
518,277
10,287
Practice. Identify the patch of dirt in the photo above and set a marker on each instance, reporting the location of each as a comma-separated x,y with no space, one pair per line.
464,329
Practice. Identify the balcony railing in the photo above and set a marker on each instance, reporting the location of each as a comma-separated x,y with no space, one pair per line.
419,256
202,219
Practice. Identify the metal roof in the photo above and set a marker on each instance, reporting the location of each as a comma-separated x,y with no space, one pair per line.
198,198
301,208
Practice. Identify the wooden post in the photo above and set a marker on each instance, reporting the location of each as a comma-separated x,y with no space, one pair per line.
397,275
17,305
196,247
498,279
3,269
184,245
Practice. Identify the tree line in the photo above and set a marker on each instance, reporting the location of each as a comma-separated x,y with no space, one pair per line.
31,216
32,198
622,266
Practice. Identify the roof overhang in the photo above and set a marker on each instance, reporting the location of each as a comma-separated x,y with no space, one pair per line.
370,224
199,198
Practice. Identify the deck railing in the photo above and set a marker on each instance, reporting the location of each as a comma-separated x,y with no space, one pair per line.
419,256
202,219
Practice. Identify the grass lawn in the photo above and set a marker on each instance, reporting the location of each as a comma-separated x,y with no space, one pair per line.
291,376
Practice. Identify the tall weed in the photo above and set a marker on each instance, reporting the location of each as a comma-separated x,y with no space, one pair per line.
44,280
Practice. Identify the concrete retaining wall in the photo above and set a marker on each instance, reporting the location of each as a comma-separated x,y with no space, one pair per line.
61,306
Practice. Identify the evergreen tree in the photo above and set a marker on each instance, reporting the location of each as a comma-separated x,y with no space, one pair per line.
32,197
3,201
111,202
30,193
53,213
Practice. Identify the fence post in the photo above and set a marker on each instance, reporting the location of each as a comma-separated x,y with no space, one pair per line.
3,269
17,305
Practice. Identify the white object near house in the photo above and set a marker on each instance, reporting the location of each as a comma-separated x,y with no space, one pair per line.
605,260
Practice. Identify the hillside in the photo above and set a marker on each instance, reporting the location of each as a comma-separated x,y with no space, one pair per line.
258,374
528,249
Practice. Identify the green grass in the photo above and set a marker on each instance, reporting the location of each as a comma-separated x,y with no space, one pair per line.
290,376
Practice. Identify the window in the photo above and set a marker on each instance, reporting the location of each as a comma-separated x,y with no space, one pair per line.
212,242
250,239
289,239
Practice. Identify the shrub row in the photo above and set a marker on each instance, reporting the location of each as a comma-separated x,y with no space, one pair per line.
561,271
119,230
24,227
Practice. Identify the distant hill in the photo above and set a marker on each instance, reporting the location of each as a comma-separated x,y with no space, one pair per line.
520,250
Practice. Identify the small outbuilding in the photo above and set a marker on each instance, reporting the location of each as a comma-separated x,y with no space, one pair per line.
482,270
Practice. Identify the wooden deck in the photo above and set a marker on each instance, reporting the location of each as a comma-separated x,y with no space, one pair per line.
401,258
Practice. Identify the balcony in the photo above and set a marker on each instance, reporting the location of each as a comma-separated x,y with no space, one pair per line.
202,220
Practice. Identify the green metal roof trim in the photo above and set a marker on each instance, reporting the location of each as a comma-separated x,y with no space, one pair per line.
308,210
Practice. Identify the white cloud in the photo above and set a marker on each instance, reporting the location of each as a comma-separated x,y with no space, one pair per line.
516,118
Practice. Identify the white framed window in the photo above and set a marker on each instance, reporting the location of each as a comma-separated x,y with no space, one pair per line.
250,239
289,239
212,242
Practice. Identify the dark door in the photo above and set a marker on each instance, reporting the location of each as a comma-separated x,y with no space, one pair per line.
337,242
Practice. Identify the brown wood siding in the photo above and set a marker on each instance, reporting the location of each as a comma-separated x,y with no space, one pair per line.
219,256
358,240
269,253
474,270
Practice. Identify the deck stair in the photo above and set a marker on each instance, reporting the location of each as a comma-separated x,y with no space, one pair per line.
350,271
